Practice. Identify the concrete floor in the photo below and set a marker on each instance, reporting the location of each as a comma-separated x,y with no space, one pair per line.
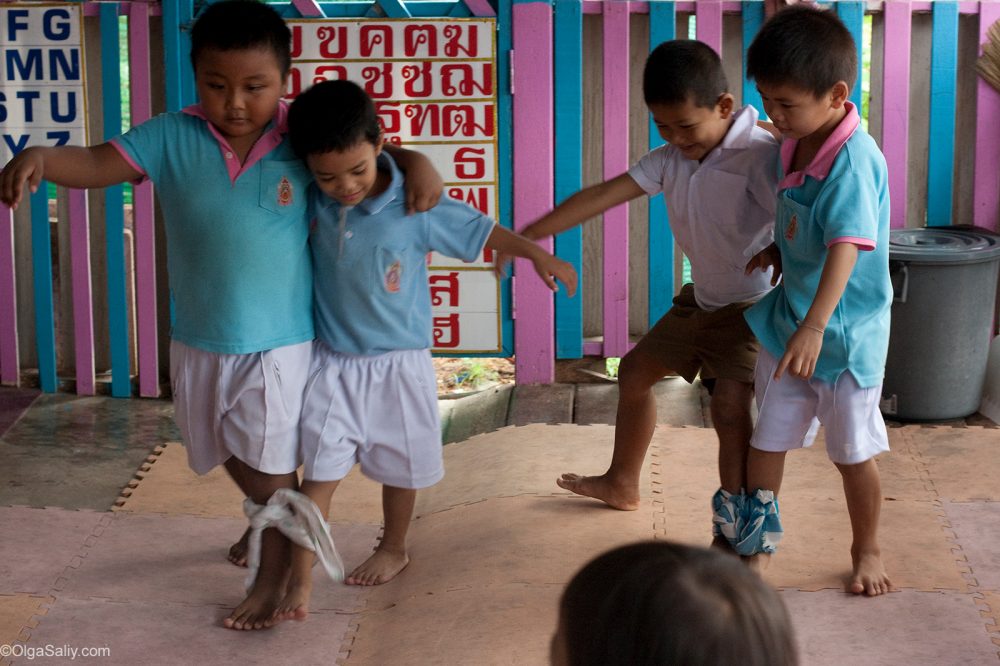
109,541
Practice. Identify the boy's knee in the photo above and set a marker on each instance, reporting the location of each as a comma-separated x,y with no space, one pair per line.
637,375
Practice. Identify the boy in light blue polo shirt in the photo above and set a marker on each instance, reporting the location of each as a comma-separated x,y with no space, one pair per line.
372,393
825,329
233,200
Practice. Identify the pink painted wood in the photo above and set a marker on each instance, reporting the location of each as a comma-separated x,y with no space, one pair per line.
142,208
10,371
616,161
708,23
83,311
986,185
534,343
308,8
735,7
896,104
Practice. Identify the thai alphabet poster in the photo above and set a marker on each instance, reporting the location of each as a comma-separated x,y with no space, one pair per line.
434,86
42,100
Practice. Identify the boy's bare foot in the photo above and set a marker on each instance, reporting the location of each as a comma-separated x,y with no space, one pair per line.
869,575
238,551
602,488
758,562
380,568
295,605
256,611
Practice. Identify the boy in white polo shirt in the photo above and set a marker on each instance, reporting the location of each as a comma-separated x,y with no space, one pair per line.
233,199
372,393
825,329
717,174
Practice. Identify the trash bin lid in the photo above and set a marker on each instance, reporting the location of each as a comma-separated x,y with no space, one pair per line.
943,245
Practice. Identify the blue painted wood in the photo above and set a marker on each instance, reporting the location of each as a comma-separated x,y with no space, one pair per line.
352,9
394,9
753,18
941,148
569,164
662,27
505,158
41,266
114,217
852,13
172,58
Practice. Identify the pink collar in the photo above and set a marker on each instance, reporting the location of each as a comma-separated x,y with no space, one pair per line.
268,141
821,163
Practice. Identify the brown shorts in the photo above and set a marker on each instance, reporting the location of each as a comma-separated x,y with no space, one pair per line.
689,340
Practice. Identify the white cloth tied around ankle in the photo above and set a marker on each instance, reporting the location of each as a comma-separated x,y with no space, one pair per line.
298,518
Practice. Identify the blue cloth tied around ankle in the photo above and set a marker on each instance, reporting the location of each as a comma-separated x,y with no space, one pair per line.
750,523
298,518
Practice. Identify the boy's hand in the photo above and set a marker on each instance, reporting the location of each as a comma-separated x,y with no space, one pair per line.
28,166
423,185
503,259
769,257
801,353
550,268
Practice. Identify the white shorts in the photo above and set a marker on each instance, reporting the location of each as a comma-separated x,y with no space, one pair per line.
380,411
791,409
243,405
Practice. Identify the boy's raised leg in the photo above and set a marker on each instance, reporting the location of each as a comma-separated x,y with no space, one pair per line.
390,557
863,490
765,471
295,604
619,486
257,609
733,423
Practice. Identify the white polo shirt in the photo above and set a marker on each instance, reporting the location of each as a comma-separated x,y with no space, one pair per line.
721,210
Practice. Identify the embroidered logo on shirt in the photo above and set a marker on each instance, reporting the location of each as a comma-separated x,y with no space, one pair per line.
392,277
793,226
284,192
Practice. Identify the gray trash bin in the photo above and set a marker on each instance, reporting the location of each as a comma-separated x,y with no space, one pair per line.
944,282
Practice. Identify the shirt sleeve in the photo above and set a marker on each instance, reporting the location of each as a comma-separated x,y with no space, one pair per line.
763,183
649,172
458,230
848,207
143,145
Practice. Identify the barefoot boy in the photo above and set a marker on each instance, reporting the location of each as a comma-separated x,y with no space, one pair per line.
717,175
825,328
232,196
372,393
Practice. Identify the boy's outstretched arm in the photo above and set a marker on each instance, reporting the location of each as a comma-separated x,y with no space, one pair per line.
71,166
805,344
549,268
586,203
423,184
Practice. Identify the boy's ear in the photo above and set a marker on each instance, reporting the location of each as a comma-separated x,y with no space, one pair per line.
379,143
725,104
839,94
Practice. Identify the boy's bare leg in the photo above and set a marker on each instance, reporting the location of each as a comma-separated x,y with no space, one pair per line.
295,604
238,551
619,486
390,557
731,417
863,490
256,610
765,470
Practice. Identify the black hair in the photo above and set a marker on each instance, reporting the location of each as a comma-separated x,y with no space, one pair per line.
803,46
232,25
332,115
658,603
682,70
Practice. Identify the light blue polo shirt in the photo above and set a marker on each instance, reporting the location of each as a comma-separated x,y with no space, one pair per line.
371,288
843,196
237,234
